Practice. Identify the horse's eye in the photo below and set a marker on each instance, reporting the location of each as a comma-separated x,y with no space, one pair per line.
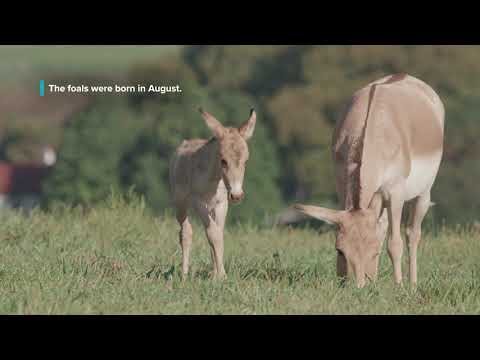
224,164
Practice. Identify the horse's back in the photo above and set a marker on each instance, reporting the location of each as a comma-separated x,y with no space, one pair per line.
181,167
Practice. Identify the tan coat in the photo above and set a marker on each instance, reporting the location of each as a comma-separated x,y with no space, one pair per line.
205,175
387,150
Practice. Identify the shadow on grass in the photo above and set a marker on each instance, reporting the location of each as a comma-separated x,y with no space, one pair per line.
158,272
275,273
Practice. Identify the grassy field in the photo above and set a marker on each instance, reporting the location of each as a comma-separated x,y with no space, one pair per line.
119,259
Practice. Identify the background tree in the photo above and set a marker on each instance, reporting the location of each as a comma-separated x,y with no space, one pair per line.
299,93
90,157
146,164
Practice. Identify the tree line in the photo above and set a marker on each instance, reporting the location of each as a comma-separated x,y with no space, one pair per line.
298,91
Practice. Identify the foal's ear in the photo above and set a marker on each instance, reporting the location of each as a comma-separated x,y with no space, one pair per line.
246,129
213,124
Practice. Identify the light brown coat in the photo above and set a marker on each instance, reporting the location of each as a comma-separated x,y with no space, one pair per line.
387,150
205,175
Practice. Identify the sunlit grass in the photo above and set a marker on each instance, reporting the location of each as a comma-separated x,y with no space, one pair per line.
117,258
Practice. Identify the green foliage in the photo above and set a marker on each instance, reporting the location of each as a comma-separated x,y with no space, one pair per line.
313,85
120,145
171,71
299,93
90,158
146,165
228,67
456,189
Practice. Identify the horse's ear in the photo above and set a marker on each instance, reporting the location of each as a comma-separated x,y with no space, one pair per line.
247,128
328,215
213,124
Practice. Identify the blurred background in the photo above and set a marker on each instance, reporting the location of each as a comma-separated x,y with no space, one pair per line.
77,149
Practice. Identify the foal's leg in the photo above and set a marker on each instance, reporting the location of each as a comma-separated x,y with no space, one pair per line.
185,236
214,232
414,232
220,215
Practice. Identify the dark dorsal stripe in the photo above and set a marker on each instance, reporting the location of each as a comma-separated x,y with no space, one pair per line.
395,78
371,96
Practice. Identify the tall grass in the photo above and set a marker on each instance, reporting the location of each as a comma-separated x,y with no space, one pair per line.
117,258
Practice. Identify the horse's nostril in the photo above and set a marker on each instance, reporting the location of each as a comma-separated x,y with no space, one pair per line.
236,197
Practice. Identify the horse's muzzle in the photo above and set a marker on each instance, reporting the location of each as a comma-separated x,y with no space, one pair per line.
236,198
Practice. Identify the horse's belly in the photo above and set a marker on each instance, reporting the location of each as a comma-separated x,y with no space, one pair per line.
423,172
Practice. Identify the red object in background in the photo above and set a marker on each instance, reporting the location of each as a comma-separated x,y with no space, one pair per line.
18,179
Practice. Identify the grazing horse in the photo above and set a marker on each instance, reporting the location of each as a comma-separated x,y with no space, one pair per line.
387,151
205,175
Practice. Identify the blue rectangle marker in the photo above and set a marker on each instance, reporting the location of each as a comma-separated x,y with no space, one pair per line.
42,87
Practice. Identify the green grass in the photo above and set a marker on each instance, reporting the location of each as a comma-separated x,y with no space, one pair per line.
119,259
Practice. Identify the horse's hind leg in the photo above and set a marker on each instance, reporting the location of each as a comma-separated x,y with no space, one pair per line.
414,232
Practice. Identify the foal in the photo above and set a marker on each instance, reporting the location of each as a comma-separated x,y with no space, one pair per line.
205,175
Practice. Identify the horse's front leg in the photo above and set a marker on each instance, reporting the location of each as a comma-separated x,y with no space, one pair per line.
214,221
